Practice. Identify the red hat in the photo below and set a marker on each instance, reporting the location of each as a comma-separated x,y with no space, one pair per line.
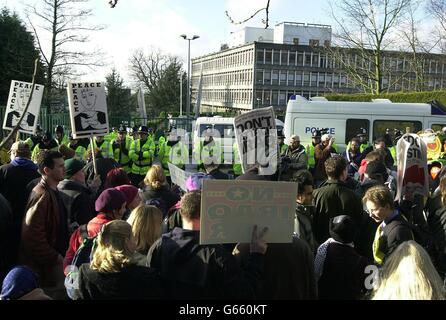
109,200
130,191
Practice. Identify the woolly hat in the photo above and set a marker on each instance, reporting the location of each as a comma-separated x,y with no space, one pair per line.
195,181
343,229
109,200
18,282
130,191
72,166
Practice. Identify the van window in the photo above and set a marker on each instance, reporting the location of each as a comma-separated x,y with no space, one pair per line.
437,126
353,127
380,126
225,130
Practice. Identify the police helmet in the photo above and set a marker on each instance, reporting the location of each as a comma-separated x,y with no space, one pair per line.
122,129
58,128
316,134
143,129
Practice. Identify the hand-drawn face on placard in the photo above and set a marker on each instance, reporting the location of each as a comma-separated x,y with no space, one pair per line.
22,99
88,99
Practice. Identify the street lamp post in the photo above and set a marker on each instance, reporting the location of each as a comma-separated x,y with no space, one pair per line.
188,72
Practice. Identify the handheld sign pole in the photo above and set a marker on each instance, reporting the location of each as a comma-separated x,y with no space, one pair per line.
93,155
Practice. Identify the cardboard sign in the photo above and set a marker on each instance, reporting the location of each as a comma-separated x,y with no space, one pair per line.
88,109
256,136
433,144
178,176
412,175
19,94
230,209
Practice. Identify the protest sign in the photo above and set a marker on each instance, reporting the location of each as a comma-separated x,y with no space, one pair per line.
412,177
19,94
230,209
256,136
88,109
178,176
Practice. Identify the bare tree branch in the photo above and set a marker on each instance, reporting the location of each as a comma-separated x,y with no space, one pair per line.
265,21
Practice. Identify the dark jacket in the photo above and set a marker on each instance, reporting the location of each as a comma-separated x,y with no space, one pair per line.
354,162
218,174
194,271
42,241
131,283
343,274
289,272
169,197
79,201
436,220
253,174
393,234
7,253
14,177
297,160
302,225
104,165
332,199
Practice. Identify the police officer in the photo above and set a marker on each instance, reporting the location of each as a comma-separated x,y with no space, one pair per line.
121,147
47,143
79,146
207,151
363,140
141,153
316,139
61,138
34,140
174,151
103,145
281,141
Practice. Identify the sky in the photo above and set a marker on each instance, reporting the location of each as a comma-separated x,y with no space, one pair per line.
147,24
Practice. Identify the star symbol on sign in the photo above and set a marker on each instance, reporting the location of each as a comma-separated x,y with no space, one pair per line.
238,193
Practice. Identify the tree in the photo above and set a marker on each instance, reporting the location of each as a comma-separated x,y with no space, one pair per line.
365,27
64,22
119,101
17,53
437,10
160,75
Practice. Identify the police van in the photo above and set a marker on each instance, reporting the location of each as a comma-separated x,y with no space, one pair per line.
345,119
223,131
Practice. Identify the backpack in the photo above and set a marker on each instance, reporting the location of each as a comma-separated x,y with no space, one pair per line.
83,255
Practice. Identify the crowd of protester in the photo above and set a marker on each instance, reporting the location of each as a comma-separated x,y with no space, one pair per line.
103,221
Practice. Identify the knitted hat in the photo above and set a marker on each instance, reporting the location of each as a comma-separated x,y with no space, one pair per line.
195,181
343,229
130,191
18,282
72,166
109,200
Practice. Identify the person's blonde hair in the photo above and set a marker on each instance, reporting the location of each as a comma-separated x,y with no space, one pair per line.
112,253
146,226
408,274
155,177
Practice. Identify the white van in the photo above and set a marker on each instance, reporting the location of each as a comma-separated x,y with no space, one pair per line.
345,119
225,128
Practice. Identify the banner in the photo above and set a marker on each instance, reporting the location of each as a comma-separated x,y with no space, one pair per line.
433,144
19,94
178,176
230,209
257,143
141,106
88,109
412,175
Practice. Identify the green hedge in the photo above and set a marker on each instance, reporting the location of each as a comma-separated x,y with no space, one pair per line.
411,97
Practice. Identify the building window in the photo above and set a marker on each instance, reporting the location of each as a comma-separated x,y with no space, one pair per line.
313,80
284,57
322,61
321,80
260,56
282,98
259,76
306,79
291,78
259,96
296,41
298,78
282,77
275,77
267,97
274,98
300,58
307,59
267,77
315,59
292,58
353,126
276,57
314,43
268,56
